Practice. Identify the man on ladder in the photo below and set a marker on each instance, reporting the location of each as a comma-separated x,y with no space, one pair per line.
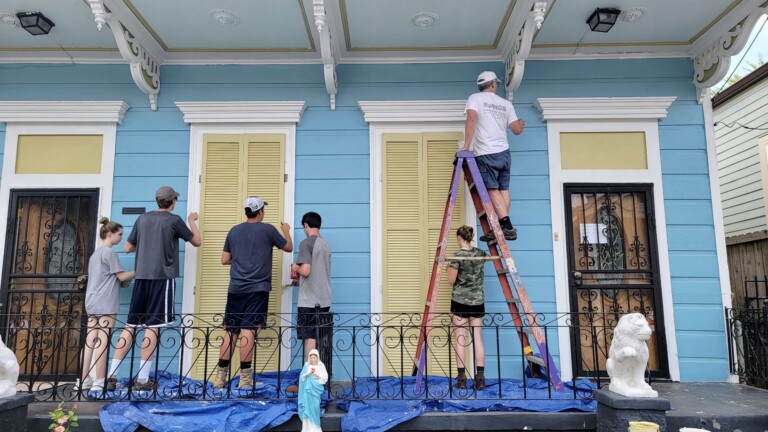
488,117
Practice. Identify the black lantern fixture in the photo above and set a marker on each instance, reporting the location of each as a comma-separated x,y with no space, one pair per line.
35,23
602,19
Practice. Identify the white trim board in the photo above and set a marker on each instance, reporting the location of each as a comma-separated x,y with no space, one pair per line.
103,181
63,111
210,123
401,117
567,116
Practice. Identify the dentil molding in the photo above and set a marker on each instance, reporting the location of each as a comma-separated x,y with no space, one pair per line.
612,108
242,112
440,111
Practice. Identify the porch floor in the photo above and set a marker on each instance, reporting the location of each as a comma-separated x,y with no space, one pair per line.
720,407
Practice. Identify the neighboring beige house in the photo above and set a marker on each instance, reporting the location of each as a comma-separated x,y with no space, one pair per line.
741,136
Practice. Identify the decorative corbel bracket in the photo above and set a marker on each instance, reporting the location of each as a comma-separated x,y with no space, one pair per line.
145,68
326,51
712,63
515,61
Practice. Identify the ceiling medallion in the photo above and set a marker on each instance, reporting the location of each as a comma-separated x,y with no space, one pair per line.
9,19
424,20
224,17
632,14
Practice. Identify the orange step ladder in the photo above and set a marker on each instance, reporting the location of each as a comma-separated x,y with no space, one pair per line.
505,269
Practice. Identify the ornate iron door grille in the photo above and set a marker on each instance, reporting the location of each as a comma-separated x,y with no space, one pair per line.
613,270
50,236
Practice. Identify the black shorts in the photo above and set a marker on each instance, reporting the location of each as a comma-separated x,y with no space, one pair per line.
467,311
246,311
306,322
152,303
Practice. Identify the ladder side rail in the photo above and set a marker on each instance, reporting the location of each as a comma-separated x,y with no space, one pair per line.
437,270
517,282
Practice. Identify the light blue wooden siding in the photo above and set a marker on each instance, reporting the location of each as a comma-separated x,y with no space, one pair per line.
738,160
332,168
687,200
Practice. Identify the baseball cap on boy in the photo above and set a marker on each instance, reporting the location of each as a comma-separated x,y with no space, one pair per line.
254,204
487,76
166,193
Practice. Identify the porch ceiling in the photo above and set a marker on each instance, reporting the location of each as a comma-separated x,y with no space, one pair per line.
365,30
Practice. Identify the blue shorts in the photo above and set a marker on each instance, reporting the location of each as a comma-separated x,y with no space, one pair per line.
246,311
494,169
152,303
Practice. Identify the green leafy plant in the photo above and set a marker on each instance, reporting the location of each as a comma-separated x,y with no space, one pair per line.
63,421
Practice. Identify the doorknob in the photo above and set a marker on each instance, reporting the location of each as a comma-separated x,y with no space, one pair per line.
576,278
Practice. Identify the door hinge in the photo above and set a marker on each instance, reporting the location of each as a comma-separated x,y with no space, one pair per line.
285,178
19,212
200,179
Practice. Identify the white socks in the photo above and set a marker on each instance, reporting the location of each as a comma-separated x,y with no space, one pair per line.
113,368
144,366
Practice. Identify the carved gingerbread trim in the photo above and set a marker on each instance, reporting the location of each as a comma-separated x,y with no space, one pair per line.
145,69
515,61
326,51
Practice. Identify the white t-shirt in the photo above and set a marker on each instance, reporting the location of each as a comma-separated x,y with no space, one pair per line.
494,114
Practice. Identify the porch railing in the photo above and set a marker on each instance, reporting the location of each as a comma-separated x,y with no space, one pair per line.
368,356
748,347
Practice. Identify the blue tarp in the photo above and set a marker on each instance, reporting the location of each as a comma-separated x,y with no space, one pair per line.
375,404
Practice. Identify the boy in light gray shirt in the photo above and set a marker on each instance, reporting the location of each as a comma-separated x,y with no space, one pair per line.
314,268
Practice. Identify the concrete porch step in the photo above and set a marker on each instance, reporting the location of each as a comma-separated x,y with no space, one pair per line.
88,417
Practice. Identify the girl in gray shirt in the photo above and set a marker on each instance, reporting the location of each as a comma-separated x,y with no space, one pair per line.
102,301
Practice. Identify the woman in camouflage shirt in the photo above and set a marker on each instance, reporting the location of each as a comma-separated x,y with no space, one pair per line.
468,305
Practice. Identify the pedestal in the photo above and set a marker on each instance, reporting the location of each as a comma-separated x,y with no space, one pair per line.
614,411
13,412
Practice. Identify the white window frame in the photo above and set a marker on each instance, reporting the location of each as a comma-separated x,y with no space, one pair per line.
385,117
59,118
279,117
632,114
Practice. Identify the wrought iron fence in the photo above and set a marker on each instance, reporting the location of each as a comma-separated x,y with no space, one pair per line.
368,356
748,347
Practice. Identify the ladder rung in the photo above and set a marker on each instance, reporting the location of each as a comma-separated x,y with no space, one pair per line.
515,301
471,186
481,213
501,271
538,360
526,330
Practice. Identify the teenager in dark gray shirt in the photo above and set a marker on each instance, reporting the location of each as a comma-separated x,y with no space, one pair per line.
248,250
155,239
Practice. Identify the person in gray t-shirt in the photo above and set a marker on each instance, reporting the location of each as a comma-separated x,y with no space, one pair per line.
102,301
314,268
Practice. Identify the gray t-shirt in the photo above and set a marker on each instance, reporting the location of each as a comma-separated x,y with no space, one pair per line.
156,236
102,295
250,245
316,288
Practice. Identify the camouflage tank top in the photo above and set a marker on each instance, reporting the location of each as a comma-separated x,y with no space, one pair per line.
468,289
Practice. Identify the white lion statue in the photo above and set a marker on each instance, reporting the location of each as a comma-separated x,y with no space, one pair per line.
9,371
628,357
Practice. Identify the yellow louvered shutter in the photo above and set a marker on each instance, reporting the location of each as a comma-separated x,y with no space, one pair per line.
440,151
417,170
234,167
265,159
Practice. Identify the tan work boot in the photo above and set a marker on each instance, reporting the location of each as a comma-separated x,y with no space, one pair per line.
246,378
222,375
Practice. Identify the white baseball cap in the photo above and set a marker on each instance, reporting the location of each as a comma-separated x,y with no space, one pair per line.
254,204
487,76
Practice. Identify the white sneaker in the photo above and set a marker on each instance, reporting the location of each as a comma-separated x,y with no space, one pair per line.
98,385
85,385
